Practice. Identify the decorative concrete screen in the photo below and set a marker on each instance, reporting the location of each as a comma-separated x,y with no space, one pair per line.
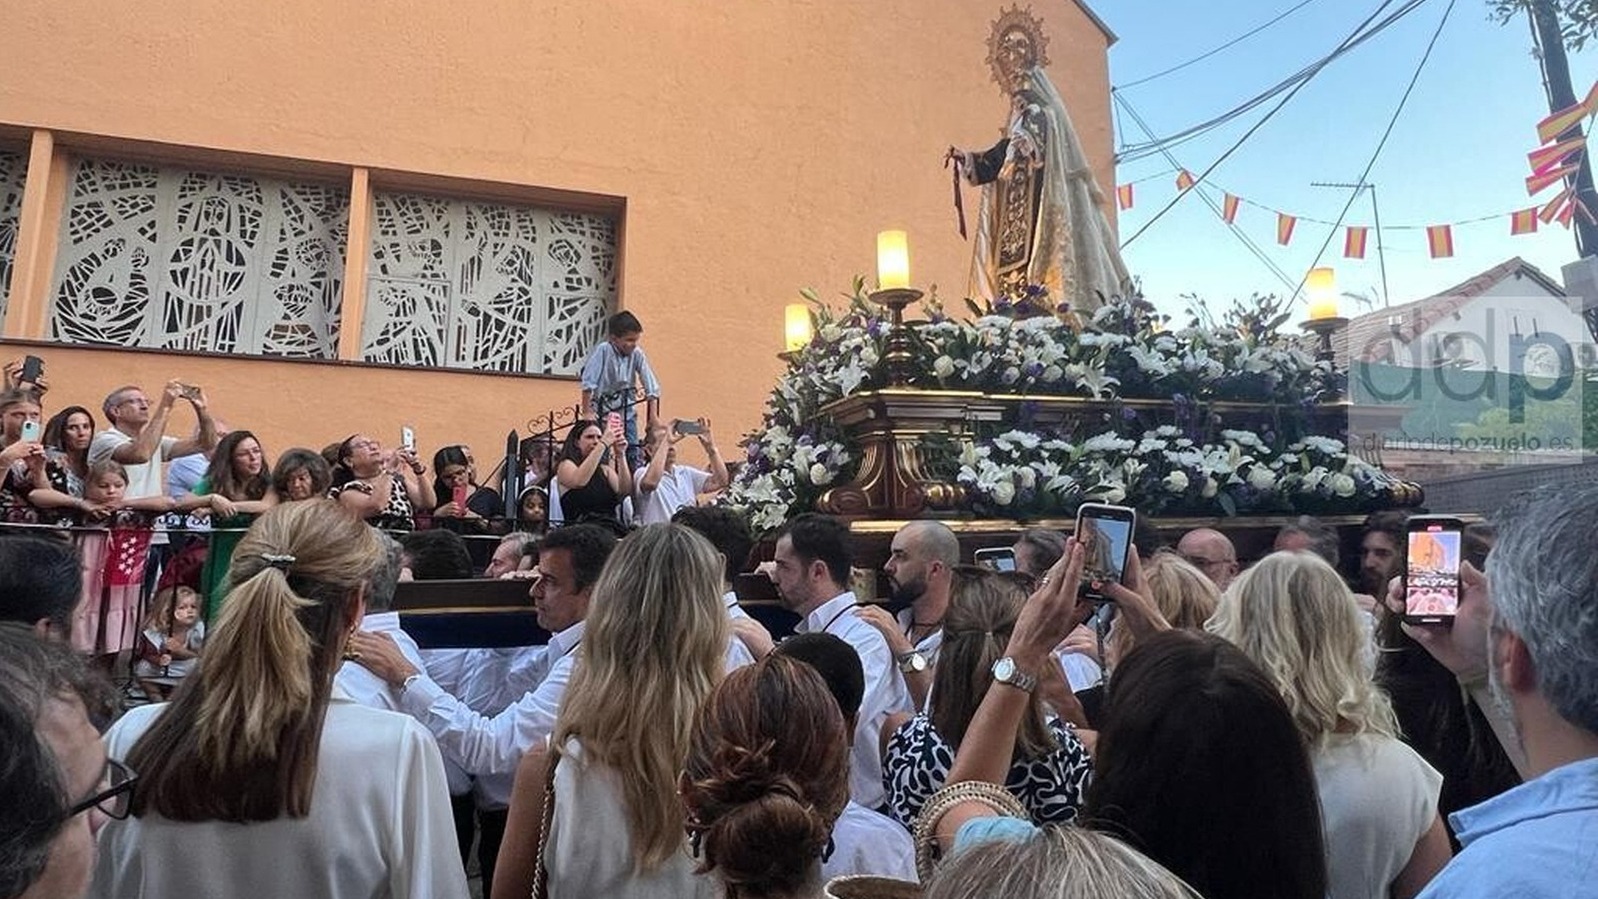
486,286
168,258
13,172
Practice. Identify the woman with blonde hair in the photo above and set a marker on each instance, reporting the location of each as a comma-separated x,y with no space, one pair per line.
255,774
1294,616
597,813
1183,594
1050,767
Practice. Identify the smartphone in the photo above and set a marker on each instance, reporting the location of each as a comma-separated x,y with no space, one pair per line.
999,558
1431,569
687,427
190,391
32,369
1105,533
458,497
30,432
408,438
613,421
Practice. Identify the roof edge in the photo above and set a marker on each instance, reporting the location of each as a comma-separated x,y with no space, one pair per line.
1097,20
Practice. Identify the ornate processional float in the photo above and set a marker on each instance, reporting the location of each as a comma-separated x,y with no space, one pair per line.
1035,404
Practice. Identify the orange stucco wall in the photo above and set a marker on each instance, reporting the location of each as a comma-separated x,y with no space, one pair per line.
759,147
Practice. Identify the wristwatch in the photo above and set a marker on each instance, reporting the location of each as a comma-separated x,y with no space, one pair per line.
912,662
1006,672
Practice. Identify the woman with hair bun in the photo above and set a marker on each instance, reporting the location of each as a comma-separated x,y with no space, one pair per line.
255,779
767,776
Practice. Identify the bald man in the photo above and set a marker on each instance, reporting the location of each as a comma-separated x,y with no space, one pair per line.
1211,552
920,571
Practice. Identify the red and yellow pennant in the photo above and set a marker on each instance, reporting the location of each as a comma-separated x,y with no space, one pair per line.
1537,183
1551,209
1545,158
1184,180
1440,241
1354,242
1123,196
1565,119
1284,228
1229,209
1523,222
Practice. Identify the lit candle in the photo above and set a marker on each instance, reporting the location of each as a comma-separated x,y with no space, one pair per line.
797,326
893,260
1321,289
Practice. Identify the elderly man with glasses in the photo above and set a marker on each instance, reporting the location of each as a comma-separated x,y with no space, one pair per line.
56,784
1211,552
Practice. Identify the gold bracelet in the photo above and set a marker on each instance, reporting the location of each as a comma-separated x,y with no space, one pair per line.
938,804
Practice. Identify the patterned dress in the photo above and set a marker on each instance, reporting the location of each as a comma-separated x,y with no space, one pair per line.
1050,786
107,618
398,515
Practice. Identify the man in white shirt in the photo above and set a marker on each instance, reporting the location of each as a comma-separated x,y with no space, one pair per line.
569,561
137,436
920,571
812,567
663,486
863,841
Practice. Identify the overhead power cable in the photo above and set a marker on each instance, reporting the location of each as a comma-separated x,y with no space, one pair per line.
1229,44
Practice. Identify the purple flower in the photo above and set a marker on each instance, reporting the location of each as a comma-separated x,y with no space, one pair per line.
1033,369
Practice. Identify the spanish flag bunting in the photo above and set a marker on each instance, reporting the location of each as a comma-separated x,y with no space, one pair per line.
1354,242
1184,180
1440,240
1539,182
1284,228
1552,207
1523,222
1565,119
1541,160
1570,209
1229,209
1123,196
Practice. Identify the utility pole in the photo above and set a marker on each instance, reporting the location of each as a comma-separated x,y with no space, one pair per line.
1376,213
1550,44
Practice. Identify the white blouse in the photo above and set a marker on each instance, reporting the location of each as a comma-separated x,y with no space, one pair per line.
590,853
379,826
1378,798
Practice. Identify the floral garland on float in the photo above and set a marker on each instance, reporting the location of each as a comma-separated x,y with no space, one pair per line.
1163,400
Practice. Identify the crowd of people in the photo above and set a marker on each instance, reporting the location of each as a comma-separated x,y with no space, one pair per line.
1216,726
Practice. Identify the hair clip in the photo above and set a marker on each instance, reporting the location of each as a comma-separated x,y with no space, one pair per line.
280,561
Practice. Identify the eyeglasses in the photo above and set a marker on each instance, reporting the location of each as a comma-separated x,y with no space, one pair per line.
1202,562
115,800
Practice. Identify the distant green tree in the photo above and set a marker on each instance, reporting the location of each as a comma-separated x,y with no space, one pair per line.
1578,19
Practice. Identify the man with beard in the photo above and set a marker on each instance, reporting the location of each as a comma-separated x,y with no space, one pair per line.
1528,631
920,571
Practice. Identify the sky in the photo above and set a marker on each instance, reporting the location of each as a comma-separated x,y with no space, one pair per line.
1457,152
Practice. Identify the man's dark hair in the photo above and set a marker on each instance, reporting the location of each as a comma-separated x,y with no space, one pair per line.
623,323
1044,548
727,530
589,545
821,537
1390,522
437,555
40,579
33,672
837,663
385,577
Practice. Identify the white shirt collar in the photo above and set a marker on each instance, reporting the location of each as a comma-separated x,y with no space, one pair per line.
378,622
827,612
567,640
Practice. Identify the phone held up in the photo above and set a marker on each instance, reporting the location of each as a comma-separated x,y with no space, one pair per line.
1431,569
613,421
30,432
685,427
190,392
32,369
408,438
999,558
1105,533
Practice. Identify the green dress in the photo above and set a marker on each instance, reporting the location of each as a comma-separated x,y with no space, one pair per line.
213,575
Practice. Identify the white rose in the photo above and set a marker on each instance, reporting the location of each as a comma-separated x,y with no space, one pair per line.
1011,375
1176,481
1210,488
819,475
1029,478
1052,373
830,333
1003,493
1261,478
1342,484
943,366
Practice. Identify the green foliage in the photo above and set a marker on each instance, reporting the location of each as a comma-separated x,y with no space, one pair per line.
1578,19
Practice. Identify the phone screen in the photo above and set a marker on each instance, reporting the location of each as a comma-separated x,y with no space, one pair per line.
1431,574
1105,533
408,438
30,432
998,558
